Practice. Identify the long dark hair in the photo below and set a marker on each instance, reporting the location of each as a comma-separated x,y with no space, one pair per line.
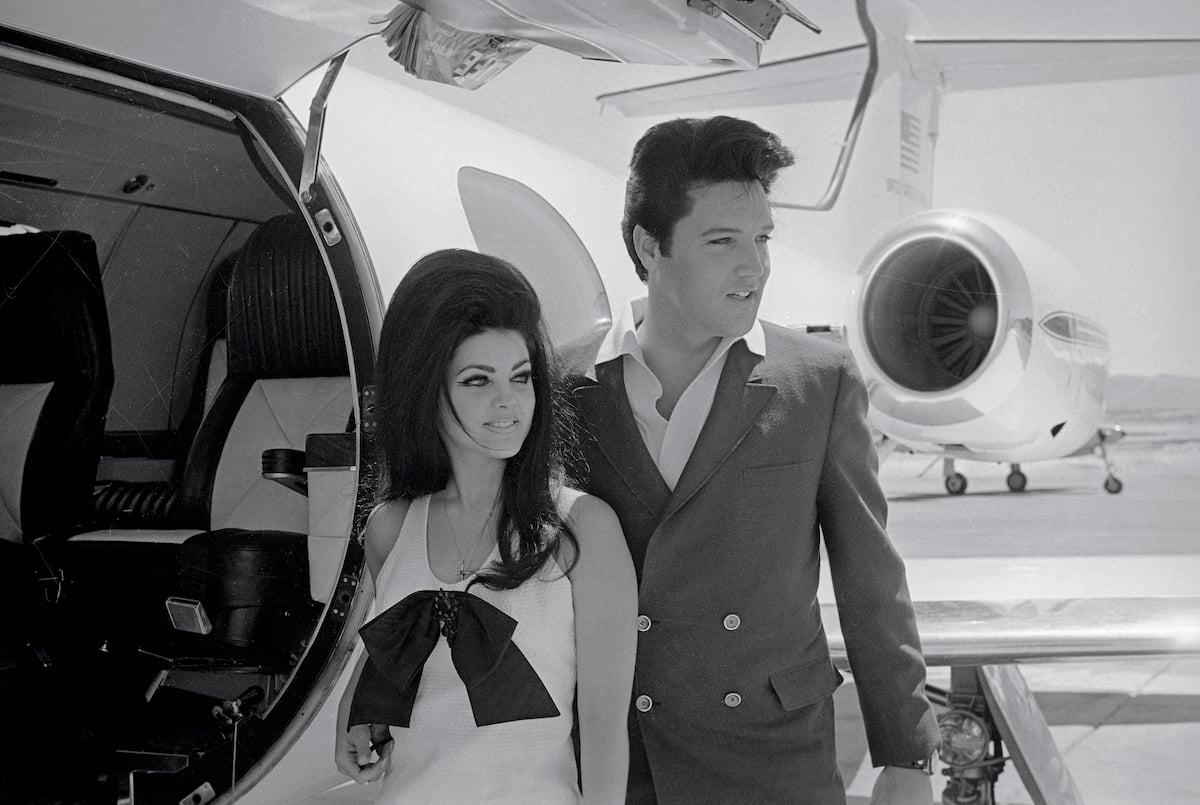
445,298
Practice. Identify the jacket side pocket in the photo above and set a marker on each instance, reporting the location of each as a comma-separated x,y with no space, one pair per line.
805,684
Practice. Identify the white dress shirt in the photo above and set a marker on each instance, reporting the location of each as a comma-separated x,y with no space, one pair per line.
669,441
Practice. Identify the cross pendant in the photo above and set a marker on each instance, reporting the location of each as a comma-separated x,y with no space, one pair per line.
462,570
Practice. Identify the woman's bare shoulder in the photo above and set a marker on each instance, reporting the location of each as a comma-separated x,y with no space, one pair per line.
387,515
382,530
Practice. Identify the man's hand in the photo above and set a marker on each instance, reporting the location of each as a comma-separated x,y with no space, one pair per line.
353,753
897,786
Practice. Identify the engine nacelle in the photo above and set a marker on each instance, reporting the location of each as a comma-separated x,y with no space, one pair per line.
976,339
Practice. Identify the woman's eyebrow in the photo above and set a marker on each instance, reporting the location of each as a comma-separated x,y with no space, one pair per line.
480,366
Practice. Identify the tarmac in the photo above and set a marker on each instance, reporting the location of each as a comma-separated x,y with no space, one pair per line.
1127,730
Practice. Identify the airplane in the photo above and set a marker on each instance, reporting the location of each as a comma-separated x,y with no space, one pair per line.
184,487
977,337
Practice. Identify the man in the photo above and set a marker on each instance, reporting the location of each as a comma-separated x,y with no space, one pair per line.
726,447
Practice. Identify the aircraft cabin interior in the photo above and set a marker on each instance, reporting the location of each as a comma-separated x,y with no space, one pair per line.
177,398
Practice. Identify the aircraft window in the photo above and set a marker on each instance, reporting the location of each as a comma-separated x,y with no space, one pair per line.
1077,329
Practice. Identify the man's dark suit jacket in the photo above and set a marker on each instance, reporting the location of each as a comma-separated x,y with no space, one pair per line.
734,682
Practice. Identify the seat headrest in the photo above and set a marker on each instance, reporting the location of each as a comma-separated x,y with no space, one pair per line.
282,313
53,316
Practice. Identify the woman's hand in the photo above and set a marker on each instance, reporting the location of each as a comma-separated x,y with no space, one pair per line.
355,748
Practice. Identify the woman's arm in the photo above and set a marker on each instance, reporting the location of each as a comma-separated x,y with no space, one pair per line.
352,747
604,592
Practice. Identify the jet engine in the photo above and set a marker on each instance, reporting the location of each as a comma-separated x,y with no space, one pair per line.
976,340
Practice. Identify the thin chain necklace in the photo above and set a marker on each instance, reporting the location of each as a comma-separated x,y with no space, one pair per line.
463,573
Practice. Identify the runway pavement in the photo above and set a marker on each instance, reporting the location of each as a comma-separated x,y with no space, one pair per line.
1127,729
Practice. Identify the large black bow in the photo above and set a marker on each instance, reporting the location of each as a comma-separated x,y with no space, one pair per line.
500,682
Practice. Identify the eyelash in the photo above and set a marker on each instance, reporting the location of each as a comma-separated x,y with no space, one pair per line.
479,380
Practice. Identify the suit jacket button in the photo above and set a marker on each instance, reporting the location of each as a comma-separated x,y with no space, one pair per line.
732,622
643,623
643,703
733,699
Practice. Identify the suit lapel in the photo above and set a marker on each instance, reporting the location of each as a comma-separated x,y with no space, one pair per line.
605,407
738,400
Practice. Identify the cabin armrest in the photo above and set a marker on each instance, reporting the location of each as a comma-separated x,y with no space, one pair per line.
285,465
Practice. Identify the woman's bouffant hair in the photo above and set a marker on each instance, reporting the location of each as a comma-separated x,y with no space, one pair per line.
447,297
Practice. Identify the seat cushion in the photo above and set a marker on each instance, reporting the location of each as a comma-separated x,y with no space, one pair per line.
21,406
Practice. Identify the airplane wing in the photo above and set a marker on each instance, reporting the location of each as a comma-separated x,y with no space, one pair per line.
1045,630
999,63
986,642
959,63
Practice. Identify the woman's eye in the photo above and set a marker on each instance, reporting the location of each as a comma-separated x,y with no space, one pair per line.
523,377
475,380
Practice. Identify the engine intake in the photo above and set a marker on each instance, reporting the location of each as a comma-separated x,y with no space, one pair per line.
974,335
929,314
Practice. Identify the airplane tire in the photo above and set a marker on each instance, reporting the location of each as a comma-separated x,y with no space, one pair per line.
956,484
1016,481
1113,485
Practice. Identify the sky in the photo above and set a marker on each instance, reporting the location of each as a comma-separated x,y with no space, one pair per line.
1103,171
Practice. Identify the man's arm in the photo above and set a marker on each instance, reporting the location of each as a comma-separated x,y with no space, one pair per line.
897,786
872,592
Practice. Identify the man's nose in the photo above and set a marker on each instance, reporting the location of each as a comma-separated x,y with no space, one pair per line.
753,261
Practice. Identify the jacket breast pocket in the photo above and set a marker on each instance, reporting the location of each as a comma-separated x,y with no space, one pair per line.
779,474
806,684
774,499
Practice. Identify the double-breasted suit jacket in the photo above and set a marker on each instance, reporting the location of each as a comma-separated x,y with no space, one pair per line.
734,682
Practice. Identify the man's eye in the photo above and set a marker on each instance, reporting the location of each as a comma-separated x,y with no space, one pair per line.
721,241
764,238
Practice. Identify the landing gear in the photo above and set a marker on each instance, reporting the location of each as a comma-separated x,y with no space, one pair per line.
988,720
956,482
1016,479
1112,484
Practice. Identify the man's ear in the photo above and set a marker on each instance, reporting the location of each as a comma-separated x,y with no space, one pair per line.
646,246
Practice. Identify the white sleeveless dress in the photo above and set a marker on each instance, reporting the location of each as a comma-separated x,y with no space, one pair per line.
442,757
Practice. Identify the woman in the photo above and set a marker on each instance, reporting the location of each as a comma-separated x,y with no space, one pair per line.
478,538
